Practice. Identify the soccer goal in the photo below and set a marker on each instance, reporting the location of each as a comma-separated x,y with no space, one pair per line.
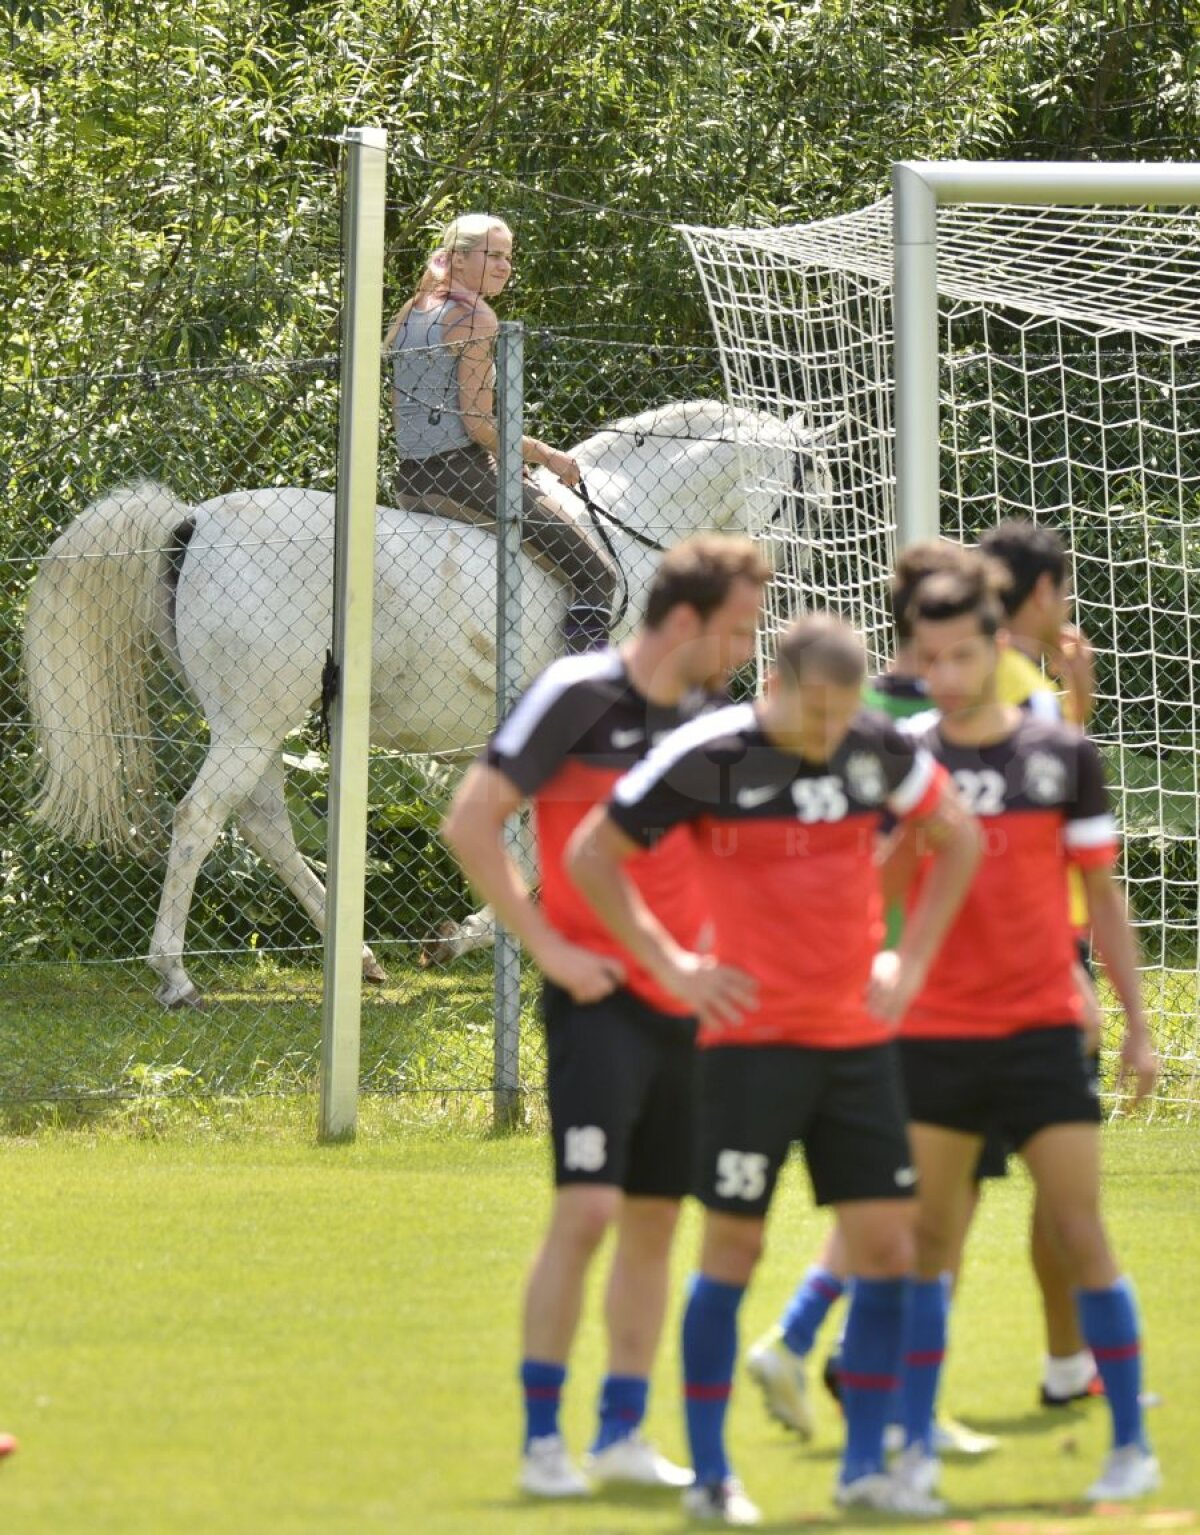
993,341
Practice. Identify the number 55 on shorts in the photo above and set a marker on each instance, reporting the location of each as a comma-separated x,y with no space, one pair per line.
741,1175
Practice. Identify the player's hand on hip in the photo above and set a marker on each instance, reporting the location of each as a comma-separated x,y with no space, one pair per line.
892,987
719,995
1139,1065
588,977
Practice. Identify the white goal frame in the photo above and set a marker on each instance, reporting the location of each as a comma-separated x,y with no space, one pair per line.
1049,313
919,188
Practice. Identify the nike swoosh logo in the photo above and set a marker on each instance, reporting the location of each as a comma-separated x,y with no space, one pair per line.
623,738
748,799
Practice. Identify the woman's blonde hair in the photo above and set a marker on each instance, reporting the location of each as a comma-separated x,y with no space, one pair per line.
463,234
469,230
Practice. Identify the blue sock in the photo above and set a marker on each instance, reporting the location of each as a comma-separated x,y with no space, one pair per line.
622,1408
542,1385
870,1370
808,1308
1108,1320
709,1354
894,1412
922,1355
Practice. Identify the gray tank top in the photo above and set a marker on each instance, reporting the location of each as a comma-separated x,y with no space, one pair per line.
425,394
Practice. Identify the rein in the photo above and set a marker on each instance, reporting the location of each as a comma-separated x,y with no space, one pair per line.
596,512
599,516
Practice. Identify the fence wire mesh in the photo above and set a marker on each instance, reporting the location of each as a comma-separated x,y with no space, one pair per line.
648,428
122,736
171,259
177,609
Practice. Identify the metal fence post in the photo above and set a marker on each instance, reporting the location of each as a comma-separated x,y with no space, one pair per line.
510,401
353,598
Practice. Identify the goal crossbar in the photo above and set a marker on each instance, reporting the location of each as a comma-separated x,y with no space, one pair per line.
919,188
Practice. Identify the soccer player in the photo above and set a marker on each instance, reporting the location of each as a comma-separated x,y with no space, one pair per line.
782,801
1037,606
992,1039
1038,600
900,691
777,1362
619,1045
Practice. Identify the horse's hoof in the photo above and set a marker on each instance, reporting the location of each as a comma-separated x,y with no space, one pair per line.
174,1000
197,1002
373,972
439,951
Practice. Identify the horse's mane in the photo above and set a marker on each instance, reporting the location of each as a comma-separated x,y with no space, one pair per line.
708,420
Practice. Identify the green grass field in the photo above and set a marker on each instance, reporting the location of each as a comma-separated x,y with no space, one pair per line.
217,1326
76,1037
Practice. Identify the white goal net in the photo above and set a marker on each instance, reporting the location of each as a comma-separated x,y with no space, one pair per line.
1069,384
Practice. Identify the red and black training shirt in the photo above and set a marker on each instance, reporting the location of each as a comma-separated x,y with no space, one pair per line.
1006,964
785,853
577,729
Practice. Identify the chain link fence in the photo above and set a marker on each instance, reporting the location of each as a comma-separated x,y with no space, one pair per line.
168,561
158,217
80,892
229,629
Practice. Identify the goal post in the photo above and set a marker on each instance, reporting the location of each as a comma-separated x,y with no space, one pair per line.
919,189
995,341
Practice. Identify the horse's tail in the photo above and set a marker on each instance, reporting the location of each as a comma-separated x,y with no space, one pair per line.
88,632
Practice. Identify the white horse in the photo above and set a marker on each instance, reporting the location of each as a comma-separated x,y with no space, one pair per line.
242,607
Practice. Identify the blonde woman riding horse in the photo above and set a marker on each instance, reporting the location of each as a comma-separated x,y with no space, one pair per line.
441,346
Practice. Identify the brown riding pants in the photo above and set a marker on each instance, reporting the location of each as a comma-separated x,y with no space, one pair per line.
462,486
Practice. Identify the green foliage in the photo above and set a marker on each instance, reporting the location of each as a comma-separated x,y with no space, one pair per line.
170,246
169,187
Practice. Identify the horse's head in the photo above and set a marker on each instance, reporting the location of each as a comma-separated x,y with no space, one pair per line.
789,494
800,510
701,464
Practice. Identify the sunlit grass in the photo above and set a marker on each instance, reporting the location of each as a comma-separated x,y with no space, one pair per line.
222,1327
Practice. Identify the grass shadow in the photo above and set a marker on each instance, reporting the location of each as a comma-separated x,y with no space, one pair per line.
1038,1420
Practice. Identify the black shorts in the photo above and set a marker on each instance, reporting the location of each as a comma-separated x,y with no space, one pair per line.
997,1148
620,1078
1011,1087
844,1106
993,1157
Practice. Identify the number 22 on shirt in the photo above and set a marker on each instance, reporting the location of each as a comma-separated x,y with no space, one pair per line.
982,791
